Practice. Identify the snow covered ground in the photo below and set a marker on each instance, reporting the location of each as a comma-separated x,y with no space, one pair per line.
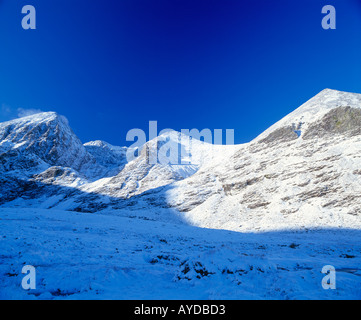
104,256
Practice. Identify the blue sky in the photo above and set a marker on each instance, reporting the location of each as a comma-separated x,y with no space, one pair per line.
110,66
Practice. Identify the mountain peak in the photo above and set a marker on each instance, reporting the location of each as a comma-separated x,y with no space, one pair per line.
314,109
45,137
36,117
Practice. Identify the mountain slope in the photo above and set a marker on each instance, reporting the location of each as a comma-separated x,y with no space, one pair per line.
313,110
303,172
181,158
282,179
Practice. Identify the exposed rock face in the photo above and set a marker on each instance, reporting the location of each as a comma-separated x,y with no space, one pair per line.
341,120
59,176
303,172
281,135
11,188
43,139
111,157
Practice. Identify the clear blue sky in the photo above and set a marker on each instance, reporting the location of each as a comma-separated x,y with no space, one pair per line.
110,66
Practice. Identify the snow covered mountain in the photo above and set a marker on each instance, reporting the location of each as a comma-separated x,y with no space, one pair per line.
113,158
39,141
98,227
303,172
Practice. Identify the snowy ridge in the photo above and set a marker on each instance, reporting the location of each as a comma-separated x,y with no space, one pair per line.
280,180
315,108
141,175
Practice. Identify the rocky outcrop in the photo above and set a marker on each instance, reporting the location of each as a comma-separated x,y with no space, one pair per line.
341,120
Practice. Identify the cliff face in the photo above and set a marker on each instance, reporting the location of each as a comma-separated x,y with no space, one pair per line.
40,141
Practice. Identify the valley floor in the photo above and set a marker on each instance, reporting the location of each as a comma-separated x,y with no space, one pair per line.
100,256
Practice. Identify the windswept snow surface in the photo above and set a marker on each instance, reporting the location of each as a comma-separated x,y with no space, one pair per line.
253,221
90,256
